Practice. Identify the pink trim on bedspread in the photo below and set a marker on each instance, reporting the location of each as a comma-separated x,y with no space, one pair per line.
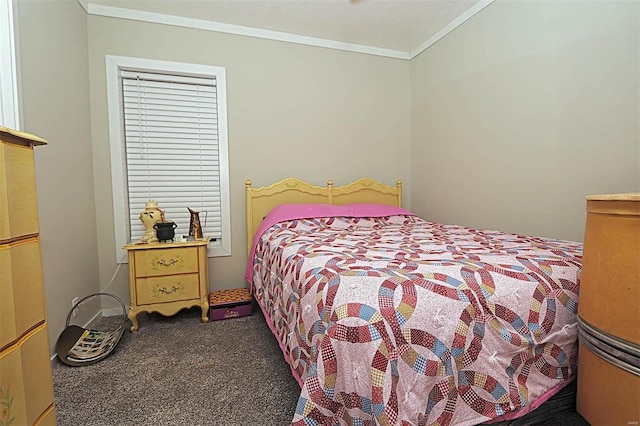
307,211
534,405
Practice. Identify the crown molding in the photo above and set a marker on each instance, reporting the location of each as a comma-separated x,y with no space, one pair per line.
159,18
84,4
450,27
200,24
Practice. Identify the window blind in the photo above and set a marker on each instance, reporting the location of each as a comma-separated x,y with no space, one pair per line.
172,152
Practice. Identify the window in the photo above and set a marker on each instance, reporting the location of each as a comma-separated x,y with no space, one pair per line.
8,72
168,135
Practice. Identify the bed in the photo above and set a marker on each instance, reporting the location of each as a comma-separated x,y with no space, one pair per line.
388,319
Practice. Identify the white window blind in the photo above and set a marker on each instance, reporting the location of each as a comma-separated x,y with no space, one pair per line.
172,149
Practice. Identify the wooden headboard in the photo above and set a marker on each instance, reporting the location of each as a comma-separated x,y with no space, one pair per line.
260,201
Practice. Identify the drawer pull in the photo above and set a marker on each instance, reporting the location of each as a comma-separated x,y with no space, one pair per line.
157,261
159,290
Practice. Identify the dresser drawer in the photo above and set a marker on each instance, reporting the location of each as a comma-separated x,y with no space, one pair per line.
170,261
18,190
169,288
21,283
25,372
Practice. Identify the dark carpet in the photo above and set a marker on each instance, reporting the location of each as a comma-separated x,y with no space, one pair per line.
178,371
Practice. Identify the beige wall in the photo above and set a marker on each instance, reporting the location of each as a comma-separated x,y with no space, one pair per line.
293,110
513,118
522,111
54,74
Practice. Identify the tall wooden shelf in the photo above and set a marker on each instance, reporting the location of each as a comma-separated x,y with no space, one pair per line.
26,383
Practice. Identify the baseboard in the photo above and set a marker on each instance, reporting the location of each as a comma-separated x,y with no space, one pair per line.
112,312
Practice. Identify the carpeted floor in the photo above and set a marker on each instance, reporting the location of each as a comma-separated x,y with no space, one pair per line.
178,371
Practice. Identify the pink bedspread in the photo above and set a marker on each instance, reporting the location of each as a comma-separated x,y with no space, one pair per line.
388,319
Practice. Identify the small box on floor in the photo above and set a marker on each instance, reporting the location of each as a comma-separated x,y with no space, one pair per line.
229,304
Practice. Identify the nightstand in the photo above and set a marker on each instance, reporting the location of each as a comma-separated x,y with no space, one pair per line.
168,277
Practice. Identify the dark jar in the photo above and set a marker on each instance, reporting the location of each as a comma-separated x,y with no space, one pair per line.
165,231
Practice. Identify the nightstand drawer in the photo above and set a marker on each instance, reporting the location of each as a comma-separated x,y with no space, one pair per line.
151,263
167,289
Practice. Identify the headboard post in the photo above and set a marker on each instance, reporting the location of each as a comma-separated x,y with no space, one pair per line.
399,186
330,190
249,199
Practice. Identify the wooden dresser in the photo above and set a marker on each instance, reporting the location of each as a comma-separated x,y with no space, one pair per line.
167,277
26,383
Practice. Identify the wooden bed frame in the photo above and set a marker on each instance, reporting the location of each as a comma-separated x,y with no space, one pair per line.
260,201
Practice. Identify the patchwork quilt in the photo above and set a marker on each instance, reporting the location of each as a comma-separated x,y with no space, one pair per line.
388,319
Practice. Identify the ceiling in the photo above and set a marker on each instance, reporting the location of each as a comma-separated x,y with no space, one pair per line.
400,28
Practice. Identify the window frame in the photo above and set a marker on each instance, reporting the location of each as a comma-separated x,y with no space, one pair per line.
114,64
9,96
